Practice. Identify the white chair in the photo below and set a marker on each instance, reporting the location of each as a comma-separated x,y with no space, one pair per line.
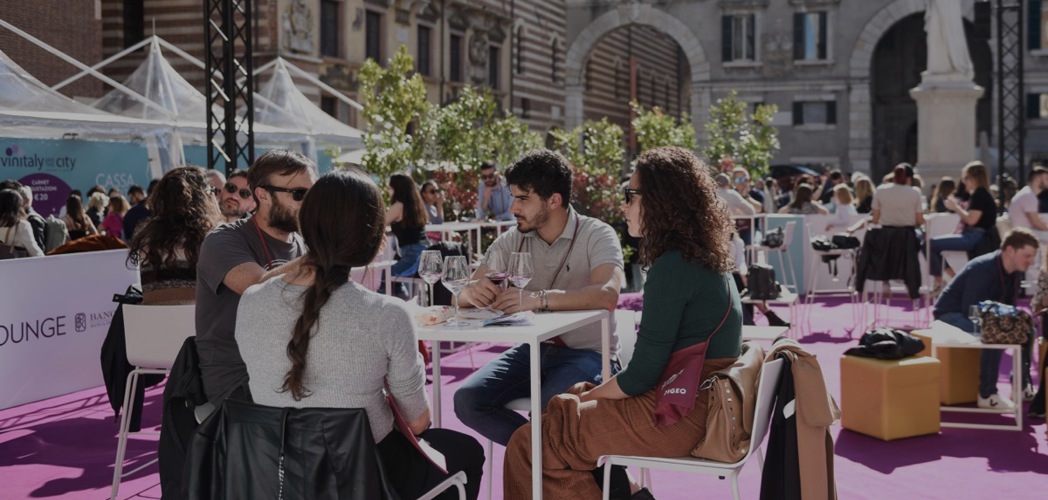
154,335
766,387
625,328
812,283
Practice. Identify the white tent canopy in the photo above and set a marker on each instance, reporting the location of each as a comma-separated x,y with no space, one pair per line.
283,105
30,109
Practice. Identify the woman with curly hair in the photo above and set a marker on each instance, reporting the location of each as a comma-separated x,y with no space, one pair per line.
166,246
672,206
313,338
407,217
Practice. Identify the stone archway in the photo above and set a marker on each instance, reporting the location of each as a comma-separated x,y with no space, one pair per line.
860,121
624,15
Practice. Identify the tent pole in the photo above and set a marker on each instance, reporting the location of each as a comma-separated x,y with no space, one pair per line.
102,64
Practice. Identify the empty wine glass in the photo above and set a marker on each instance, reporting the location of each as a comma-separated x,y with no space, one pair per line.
430,269
495,269
975,315
455,278
456,208
520,273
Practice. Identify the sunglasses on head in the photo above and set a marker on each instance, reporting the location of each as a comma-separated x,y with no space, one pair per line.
629,194
297,194
231,188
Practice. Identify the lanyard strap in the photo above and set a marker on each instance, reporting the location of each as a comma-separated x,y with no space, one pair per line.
265,247
574,236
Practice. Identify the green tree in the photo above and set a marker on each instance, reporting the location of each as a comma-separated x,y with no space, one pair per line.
394,100
655,128
595,151
749,141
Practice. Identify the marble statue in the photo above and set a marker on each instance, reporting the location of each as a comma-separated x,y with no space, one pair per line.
947,45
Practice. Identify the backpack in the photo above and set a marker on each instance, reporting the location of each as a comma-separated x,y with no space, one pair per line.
774,238
761,282
55,233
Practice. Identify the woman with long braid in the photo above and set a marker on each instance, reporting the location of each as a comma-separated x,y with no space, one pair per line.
313,338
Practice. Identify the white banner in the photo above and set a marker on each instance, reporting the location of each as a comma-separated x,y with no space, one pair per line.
54,315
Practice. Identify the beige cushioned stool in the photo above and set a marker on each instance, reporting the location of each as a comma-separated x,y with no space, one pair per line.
890,399
959,372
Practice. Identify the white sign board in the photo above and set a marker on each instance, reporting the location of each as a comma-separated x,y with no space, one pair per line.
54,314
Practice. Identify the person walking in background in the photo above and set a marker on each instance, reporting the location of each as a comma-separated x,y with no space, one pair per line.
166,247
689,298
313,338
113,224
77,222
407,217
96,207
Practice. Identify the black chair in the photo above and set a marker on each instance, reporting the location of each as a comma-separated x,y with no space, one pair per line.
248,451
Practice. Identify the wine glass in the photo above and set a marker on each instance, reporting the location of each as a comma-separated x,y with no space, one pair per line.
495,269
520,273
430,269
975,315
456,208
455,278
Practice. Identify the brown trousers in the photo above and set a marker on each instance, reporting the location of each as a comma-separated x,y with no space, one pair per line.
575,435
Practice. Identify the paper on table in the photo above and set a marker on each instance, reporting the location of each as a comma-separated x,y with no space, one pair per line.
522,318
435,457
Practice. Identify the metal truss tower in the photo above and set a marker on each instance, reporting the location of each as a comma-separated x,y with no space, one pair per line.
229,84
1011,117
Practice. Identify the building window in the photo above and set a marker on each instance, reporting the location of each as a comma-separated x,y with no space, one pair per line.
1036,106
493,67
456,58
1037,31
809,36
373,36
815,112
553,60
134,22
518,45
423,58
329,105
738,37
525,108
329,21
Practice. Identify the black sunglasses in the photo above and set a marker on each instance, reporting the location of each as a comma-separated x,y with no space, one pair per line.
296,194
629,194
232,188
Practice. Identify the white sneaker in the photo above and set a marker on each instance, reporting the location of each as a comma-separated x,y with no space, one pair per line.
1029,392
996,402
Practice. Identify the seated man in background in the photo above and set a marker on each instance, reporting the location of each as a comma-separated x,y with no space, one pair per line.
578,265
1024,208
493,196
993,276
235,200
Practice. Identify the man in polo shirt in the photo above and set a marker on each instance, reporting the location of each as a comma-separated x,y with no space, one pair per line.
578,265
1023,211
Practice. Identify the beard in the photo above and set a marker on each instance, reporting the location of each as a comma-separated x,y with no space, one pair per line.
527,225
232,209
282,218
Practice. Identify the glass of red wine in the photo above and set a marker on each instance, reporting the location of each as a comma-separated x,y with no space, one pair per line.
495,269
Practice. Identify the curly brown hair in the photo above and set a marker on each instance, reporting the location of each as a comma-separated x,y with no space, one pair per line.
182,212
681,210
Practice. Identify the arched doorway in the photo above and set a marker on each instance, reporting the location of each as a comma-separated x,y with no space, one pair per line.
898,60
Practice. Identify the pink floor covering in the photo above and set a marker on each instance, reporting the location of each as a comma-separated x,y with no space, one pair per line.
64,447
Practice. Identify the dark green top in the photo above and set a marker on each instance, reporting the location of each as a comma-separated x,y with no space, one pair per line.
683,303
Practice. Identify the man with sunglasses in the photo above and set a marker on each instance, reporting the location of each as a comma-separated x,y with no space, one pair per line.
235,199
493,196
242,253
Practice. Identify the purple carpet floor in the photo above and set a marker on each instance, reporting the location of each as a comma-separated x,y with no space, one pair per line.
64,447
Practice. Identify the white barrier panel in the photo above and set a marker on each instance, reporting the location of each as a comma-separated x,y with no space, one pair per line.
54,315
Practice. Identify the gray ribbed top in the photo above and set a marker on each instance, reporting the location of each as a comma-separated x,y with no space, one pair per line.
361,339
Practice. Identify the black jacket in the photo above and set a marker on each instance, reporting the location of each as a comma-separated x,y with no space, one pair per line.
115,366
887,343
249,451
890,253
182,394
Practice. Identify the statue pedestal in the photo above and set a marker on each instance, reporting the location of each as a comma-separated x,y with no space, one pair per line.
945,126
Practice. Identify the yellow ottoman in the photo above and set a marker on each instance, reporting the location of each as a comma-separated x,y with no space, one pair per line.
890,399
959,372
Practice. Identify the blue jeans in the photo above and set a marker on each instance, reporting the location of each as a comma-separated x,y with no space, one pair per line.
964,241
989,362
408,263
480,401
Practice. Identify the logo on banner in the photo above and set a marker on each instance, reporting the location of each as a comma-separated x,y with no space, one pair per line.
15,156
80,322
99,319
